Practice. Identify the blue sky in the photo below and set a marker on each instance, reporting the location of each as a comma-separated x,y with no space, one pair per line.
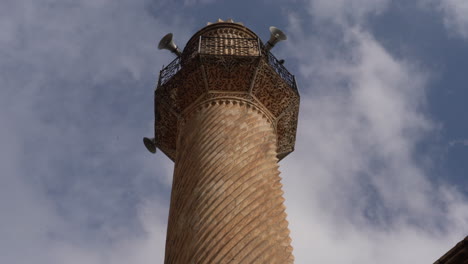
379,170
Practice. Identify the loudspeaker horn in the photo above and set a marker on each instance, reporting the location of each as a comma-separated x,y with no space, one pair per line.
167,42
276,35
149,144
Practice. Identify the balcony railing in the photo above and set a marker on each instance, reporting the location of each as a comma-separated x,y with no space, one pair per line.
282,71
226,47
169,71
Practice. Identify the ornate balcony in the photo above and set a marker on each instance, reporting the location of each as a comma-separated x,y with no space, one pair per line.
225,61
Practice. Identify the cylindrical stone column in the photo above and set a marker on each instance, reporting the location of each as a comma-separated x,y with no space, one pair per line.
226,202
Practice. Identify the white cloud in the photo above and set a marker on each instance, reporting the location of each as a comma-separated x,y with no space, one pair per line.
455,15
463,142
77,81
354,188
197,2
345,11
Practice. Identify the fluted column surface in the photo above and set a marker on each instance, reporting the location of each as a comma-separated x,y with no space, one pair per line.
226,202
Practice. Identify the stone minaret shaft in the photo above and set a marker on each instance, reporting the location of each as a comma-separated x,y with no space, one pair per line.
227,203
225,116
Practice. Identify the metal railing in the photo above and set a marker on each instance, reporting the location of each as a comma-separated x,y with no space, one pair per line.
282,71
169,71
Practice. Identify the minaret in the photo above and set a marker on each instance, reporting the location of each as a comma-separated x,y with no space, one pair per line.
226,112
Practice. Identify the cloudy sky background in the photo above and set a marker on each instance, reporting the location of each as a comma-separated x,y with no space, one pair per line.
379,171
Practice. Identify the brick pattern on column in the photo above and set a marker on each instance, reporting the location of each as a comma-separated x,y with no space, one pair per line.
226,201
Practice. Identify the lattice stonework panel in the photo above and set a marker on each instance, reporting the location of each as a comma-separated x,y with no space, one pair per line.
229,46
286,128
166,132
190,86
272,91
229,74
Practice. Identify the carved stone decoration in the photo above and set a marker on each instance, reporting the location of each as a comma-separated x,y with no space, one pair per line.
271,91
166,134
286,128
223,72
187,87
